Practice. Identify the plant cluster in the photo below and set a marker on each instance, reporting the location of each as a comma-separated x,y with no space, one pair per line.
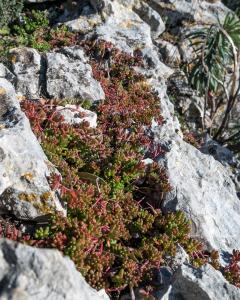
11,229
114,231
34,30
232,271
9,11
214,72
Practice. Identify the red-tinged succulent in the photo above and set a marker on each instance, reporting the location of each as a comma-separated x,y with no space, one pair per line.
114,231
232,271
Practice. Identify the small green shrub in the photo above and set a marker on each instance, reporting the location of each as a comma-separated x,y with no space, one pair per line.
9,11
232,270
35,31
217,51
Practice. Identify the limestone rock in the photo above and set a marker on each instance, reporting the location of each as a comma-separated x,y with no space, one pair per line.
169,52
82,20
225,157
28,273
171,124
151,17
203,189
23,165
70,76
27,67
202,12
6,73
125,29
220,153
205,283
128,32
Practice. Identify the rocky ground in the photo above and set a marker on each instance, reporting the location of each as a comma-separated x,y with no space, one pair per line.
204,179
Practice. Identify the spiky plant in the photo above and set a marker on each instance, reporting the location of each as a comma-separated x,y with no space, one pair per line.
214,71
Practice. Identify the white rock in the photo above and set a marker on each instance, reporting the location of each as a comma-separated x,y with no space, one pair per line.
169,52
151,17
82,21
7,74
75,114
203,189
202,12
26,66
171,124
23,165
128,32
205,283
70,76
28,273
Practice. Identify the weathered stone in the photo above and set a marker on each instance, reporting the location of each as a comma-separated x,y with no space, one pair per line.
220,153
102,6
190,11
75,114
23,165
28,273
128,32
7,74
205,283
151,17
171,124
26,66
169,52
70,76
187,102
203,189
225,157
83,20
125,29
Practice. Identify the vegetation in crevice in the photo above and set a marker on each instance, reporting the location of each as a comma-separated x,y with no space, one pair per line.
114,231
9,11
214,73
35,29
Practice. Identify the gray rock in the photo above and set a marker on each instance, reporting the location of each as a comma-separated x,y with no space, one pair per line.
125,29
187,52
23,165
70,76
6,73
128,32
201,186
203,189
202,12
220,153
187,102
171,124
27,67
180,258
164,276
28,273
102,5
82,21
153,67
225,157
169,52
151,17
205,283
